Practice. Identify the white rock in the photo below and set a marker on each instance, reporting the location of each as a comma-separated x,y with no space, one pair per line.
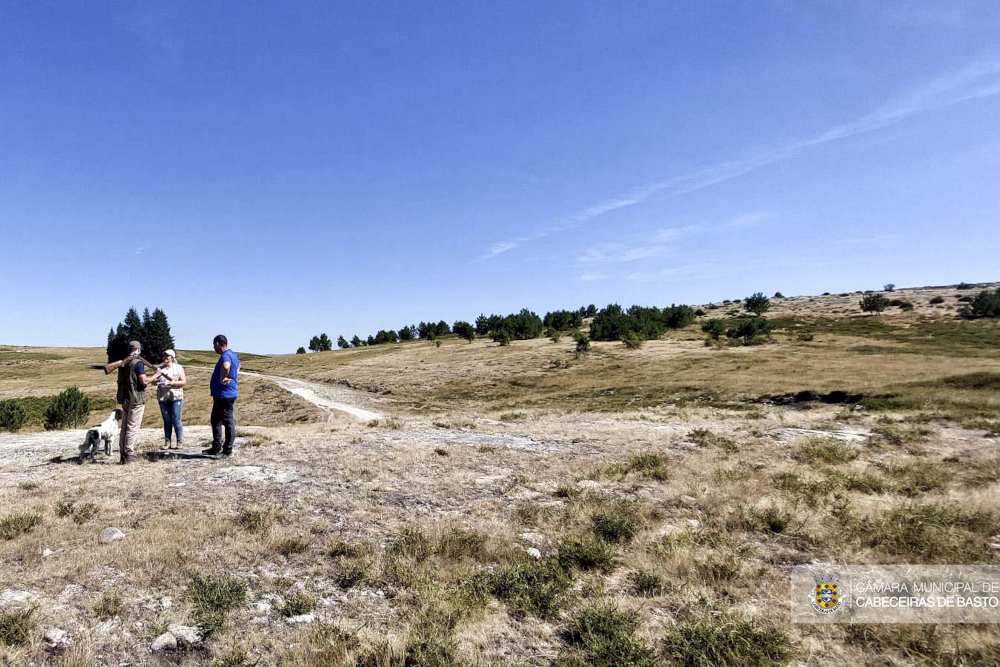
109,535
47,552
486,481
534,539
185,634
259,620
262,608
69,592
304,618
534,553
587,485
56,637
165,642
177,485
17,600
694,523
167,603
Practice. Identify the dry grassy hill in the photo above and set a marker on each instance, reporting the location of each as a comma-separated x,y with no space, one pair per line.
523,504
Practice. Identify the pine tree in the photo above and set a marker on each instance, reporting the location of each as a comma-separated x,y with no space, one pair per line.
356,342
342,342
314,344
158,336
325,344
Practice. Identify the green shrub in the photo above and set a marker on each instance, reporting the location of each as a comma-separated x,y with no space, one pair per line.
649,465
68,409
15,525
213,598
757,303
12,415
985,304
291,545
604,636
827,450
647,584
929,532
718,640
769,519
563,320
412,543
715,328
614,323
255,521
618,523
529,586
873,303
751,330
586,553
632,341
464,330
16,627
582,343
554,335
502,336
109,606
937,300
297,604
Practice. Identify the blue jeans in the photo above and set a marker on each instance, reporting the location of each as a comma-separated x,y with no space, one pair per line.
171,413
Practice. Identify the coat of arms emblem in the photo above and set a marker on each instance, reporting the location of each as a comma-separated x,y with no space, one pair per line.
826,599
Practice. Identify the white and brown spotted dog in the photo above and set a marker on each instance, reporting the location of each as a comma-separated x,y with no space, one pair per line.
106,432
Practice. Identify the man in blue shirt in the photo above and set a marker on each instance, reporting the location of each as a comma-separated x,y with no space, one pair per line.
224,393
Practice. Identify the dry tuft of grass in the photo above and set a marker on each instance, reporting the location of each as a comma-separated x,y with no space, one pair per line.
16,627
110,605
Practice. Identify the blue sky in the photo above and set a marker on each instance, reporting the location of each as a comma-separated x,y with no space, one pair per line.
276,170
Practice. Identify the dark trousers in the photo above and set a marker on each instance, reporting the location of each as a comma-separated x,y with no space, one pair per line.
223,418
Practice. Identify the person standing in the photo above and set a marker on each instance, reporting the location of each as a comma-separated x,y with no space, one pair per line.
224,394
170,395
132,382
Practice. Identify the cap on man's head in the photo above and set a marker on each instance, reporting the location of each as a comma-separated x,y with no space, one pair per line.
134,346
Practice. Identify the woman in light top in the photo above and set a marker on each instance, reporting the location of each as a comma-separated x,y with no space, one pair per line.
170,394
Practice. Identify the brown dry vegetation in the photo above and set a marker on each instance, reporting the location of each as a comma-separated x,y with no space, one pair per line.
664,488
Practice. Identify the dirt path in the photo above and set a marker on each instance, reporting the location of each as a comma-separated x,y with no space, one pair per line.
326,397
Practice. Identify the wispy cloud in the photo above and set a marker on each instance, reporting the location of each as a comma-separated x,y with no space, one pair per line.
138,251
975,81
589,277
658,244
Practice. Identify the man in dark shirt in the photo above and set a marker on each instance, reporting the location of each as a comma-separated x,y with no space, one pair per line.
224,394
132,382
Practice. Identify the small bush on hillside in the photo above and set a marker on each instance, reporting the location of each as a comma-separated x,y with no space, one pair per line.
985,304
109,606
529,586
618,523
757,303
464,330
779,295
297,604
554,335
751,331
12,415
502,337
873,303
632,341
937,300
647,584
586,553
827,450
715,328
889,287
964,286
301,350
582,343
69,409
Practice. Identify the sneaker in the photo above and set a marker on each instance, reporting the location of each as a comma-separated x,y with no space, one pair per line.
214,450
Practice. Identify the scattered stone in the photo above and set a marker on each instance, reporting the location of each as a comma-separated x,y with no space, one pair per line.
689,501
165,642
47,552
259,620
694,523
176,485
789,434
534,539
303,619
109,535
263,608
534,553
185,634
487,481
254,474
167,603
587,485
56,638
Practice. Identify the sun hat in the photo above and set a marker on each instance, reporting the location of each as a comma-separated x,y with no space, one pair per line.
171,353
